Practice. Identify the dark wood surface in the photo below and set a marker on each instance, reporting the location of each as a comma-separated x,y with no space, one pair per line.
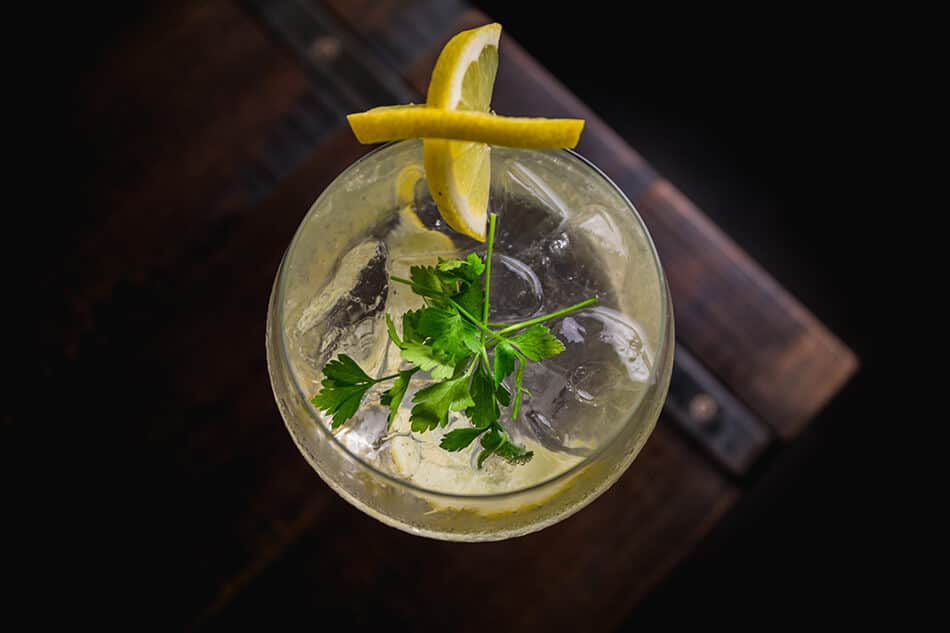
193,194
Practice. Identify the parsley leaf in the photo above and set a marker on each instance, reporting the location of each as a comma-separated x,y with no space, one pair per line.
502,394
344,385
434,402
434,322
513,453
342,402
537,342
497,442
484,411
427,359
471,298
450,333
518,390
427,281
345,371
475,265
504,361
469,269
391,329
410,327
491,441
460,438
392,397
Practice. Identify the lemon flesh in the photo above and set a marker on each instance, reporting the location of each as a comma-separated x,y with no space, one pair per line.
464,75
463,79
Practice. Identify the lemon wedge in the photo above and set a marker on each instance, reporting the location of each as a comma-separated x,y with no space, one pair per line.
459,172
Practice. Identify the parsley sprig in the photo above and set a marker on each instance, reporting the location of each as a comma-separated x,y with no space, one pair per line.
450,337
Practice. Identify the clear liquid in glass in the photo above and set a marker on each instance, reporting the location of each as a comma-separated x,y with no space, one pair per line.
556,245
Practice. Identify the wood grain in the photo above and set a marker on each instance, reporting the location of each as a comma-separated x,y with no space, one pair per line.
165,287
168,123
584,574
759,340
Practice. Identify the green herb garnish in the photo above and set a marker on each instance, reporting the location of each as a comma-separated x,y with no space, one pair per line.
451,339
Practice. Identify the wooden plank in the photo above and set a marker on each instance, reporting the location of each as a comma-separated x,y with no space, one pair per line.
216,479
167,125
165,287
399,30
285,498
769,348
584,574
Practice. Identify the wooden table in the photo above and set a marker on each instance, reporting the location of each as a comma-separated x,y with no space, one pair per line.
211,128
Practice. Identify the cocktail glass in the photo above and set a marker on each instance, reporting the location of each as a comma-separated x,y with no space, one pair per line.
565,233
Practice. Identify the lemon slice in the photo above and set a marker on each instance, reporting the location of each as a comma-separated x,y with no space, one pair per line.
411,238
406,184
411,243
458,172
464,75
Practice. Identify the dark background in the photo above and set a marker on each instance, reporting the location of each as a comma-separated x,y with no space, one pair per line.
759,120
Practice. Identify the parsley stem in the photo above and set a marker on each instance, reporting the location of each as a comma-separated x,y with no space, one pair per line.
386,378
465,313
547,317
492,218
471,366
468,315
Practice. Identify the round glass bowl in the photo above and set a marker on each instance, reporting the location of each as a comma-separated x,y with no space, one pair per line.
565,232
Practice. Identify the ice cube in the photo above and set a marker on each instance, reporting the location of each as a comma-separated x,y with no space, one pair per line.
579,398
529,210
602,333
516,290
550,437
346,314
551,414
594,221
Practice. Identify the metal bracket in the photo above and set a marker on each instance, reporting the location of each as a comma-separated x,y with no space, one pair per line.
702,407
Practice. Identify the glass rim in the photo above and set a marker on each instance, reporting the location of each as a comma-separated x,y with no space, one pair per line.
402,483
